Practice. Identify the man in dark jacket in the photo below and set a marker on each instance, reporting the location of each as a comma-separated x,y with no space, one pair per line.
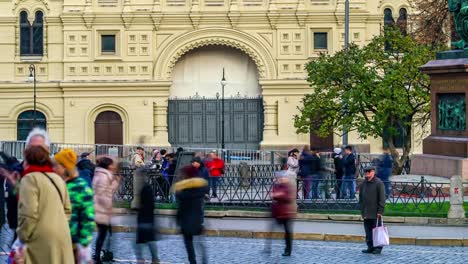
190,194
384,170
86,168
349,179
338,162
372,203
146,229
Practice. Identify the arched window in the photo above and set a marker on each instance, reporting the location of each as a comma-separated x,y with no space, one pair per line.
31,35
26,122
388,18
402,21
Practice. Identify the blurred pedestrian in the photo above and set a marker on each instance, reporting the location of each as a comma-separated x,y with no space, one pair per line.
348,185
190,193
215,166
11,170
146,225
86,168
104,186
338,162
305,171
372,204
138,164
38,137
384,171
82,223
283,209
293,163
44,207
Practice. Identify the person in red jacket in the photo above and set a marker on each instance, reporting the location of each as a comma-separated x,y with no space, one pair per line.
283,209
215,166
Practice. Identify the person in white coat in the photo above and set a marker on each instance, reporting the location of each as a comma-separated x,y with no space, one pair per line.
293,163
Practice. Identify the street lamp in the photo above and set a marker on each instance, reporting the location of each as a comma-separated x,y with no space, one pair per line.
346,45
32,78
223,83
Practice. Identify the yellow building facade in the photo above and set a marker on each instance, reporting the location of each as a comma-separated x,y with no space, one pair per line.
129,57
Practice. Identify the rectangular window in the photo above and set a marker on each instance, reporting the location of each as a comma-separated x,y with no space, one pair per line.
321,40
108,44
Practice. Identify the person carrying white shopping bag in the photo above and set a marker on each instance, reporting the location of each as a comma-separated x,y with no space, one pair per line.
380,236
372,204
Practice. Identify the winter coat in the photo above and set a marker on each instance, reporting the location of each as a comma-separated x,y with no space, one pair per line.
293,166
283,201
215,167
82,223
385,166
146,228
2,202
349,164
309,165
43,221
190,194
338,162
12,206
371,198
104,186
86,170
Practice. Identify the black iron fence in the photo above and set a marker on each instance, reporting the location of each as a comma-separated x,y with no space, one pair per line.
251,186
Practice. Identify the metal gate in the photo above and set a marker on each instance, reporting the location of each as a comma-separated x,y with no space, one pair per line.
196,122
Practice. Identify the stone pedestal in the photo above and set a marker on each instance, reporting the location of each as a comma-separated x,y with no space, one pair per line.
456,210
445,151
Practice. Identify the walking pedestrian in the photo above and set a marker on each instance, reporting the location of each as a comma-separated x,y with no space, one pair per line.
348,186
372,203
283,209
146,226
338,162
86,168
44,204
138,164
384,171
81,197
104,186
11,171
215,166
190,194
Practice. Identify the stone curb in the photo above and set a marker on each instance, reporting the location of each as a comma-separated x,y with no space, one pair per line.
312,216
440,242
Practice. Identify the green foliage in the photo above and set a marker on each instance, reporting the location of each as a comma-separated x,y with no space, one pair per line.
369,89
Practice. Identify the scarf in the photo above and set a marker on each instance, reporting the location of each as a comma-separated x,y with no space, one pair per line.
36,168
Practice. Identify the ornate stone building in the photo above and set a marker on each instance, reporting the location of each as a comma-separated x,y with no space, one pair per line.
111,71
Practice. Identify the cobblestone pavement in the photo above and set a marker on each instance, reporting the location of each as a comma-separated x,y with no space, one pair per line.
240,250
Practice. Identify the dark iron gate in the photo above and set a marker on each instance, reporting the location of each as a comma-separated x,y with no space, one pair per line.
196,122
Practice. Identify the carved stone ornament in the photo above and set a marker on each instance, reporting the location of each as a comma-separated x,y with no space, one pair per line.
17,2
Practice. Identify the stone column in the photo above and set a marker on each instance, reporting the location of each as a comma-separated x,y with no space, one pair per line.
270,128
160,133
456,211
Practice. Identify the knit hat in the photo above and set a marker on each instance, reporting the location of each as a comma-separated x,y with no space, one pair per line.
67,158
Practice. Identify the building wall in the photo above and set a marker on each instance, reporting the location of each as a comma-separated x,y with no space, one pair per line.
76,81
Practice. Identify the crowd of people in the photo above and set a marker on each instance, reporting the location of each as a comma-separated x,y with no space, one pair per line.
56,201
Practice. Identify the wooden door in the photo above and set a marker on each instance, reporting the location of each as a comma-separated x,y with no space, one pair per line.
108,128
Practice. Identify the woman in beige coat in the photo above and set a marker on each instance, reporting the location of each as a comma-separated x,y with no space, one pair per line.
104,185
44,207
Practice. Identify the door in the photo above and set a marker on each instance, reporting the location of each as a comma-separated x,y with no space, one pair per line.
108,128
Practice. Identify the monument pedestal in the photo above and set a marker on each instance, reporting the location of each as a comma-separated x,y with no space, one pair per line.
445,151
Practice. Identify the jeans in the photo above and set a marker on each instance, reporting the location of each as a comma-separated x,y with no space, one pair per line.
188,241
214,186
306,184
316,181
369,224
348,184
388,185
152,247
288,236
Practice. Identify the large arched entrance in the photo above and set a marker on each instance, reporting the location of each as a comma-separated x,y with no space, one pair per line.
194,114
108,128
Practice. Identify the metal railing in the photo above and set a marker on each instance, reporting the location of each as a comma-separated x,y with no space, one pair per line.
253,186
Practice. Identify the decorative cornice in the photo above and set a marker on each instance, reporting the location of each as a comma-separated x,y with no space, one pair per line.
17,2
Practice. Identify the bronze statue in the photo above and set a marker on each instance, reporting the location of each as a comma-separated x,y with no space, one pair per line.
459,8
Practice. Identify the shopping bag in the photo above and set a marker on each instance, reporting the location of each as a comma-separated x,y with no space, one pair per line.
380,234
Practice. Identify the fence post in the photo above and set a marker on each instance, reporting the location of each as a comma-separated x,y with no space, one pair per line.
272,157
456,211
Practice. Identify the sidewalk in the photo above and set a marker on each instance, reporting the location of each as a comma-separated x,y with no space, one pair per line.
314,230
